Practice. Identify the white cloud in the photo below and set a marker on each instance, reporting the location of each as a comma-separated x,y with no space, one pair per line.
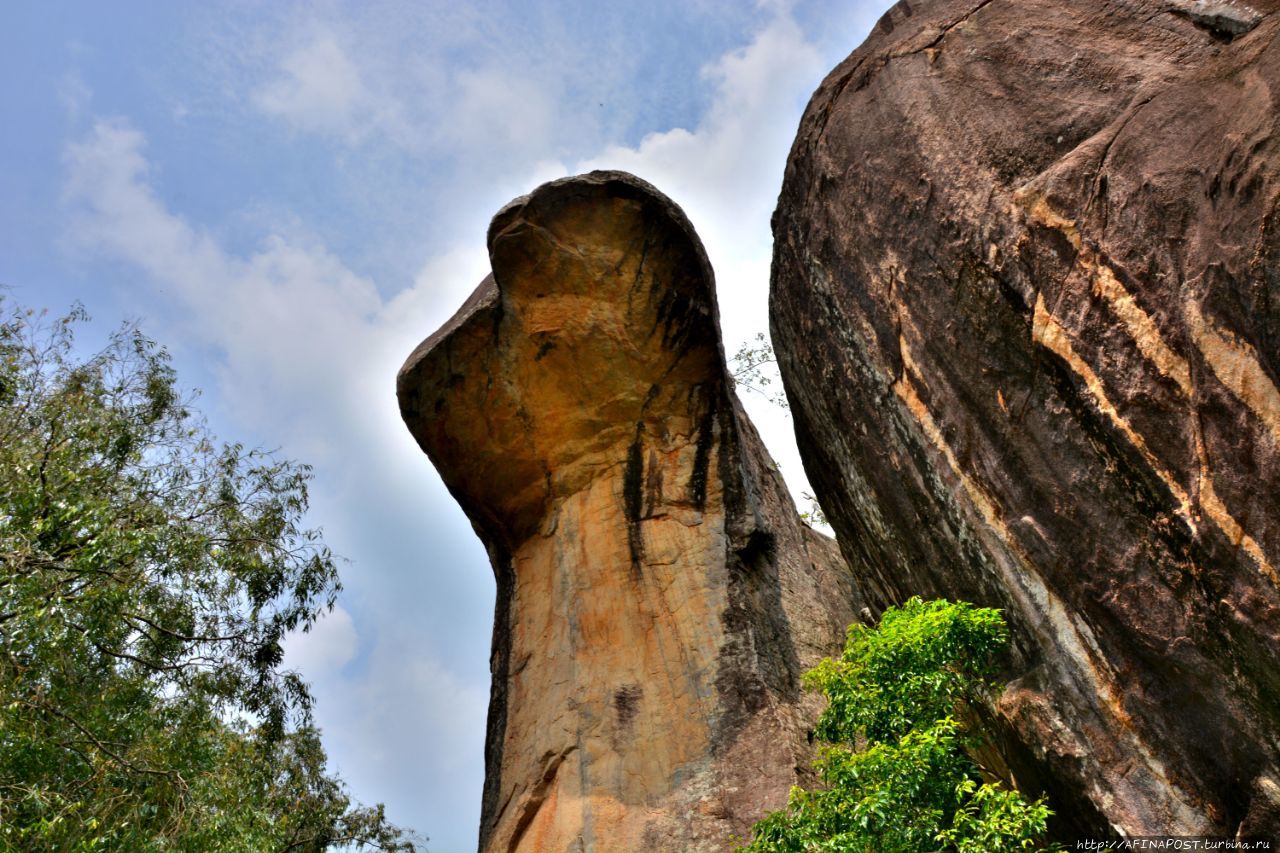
74,94
318,88
282,317
342,81
426,697
502,108
328,647
486,87
408,732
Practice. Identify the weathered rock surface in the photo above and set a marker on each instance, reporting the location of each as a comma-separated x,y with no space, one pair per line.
1026,297
657,594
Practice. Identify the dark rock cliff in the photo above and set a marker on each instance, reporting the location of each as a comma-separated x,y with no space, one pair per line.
1026,299
658,596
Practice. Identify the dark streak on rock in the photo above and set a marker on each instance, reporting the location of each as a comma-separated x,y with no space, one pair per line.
633,498
626,701
702,455
499,668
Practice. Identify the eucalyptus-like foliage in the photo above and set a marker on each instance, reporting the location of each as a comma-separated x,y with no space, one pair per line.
147,578
754,368
896,773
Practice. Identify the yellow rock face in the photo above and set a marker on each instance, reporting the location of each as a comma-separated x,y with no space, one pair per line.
657,594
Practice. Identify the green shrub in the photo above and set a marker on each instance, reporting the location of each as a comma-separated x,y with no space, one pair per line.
896,772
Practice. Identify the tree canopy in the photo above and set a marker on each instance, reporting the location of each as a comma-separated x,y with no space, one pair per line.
148,576
897,777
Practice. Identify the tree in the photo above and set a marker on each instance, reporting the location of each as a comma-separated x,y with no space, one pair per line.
896,773
148,577
754,367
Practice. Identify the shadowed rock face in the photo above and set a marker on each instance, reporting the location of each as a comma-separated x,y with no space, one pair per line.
657,594
1026,298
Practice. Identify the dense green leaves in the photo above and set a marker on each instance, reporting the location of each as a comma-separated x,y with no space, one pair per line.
896,774
147,579
908,672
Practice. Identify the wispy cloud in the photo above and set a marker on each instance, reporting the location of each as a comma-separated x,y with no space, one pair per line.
274,315
74,94
305,353
360,86
330,645
319,88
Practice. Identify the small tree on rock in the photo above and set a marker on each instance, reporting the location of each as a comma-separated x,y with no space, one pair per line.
895,765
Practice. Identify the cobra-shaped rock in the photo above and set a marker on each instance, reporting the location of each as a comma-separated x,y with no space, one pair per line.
1026,299
657,593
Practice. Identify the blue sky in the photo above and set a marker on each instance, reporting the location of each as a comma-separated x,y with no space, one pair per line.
290,196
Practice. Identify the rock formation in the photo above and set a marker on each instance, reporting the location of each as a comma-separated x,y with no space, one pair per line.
1026,300
657,594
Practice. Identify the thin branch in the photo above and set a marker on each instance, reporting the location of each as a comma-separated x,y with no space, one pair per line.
102,747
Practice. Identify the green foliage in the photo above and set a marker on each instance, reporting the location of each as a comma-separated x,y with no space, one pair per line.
147,579
897,777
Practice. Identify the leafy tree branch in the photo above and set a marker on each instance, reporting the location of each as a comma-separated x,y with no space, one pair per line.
148,576
895,765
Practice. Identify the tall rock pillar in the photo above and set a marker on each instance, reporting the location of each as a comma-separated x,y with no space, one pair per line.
657,594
